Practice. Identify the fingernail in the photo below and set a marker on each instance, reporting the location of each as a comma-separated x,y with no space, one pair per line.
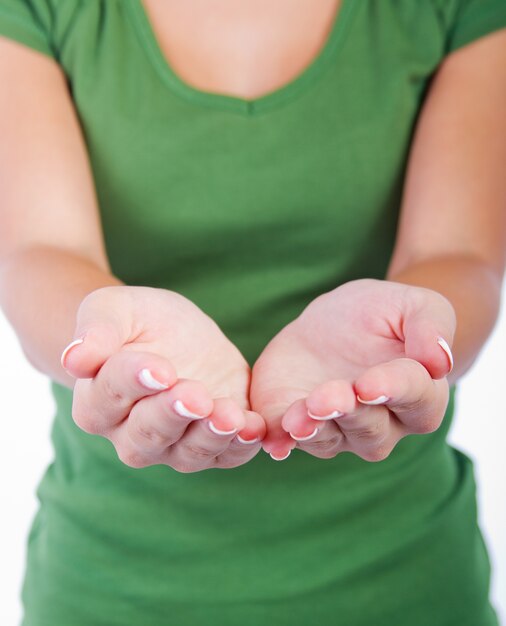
313,434
181,409
68,348
446,348
221,432
378,400
148,380
325,417
280,458
247,441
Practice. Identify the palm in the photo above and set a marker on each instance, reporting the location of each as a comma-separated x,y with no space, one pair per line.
170,325
339,335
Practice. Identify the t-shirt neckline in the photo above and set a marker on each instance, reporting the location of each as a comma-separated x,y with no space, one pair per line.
223,101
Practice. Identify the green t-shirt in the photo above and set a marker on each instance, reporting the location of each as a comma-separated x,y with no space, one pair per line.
251,209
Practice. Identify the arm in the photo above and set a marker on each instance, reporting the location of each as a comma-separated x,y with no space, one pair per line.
139,384
373,371
452,229
51,247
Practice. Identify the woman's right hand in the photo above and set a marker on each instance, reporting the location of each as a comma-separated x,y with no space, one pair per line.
135,336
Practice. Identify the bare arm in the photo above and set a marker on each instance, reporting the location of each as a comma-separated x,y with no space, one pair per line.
134,381
51,246
374,371
452,230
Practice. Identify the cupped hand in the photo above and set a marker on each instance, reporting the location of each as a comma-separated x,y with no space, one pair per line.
362,366
158,378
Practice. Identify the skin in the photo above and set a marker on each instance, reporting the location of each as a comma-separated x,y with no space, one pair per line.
127,330
367,340
450,246
243,48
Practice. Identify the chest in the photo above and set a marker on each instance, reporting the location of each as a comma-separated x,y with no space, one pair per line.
245,48
306,174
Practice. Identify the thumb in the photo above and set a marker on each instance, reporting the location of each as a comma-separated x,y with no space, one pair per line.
272,404
276,442
429,330
103,326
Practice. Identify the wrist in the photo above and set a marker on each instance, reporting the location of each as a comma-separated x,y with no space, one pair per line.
41,289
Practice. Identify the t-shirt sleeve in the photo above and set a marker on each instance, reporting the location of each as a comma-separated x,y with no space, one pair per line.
474,19
28,22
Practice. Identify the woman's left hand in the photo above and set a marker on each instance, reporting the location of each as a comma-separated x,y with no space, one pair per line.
362,366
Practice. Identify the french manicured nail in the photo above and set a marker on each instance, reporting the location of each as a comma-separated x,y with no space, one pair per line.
76,342
326,417
181,409
447,350
280,458
247,441
313,434
378,400
148,380
221,432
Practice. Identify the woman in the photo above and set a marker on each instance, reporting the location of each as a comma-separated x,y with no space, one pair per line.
263,228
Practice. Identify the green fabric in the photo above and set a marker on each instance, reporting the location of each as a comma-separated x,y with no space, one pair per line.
476,18
251,209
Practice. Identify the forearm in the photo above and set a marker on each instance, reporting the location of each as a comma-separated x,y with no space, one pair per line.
41,289
474,290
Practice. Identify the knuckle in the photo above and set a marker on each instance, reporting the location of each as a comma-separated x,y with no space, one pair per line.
87,419
112,392
198,452
83,415
414,405
325,445
87,422
184,467
371,431
144,433
427,425
226,461
376,454
323,454
131,458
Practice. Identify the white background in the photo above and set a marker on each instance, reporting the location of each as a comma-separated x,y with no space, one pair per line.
27,412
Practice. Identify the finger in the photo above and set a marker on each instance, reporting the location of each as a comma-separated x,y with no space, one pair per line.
406,387
277,441
321,439
246,443
331,399
102,402
373,435
429,328
272,405
158,421
368,431
253,432
326,402
103,326
365,431
203,440
296,422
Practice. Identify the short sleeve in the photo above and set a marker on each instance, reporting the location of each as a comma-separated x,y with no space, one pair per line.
474,19
28,22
